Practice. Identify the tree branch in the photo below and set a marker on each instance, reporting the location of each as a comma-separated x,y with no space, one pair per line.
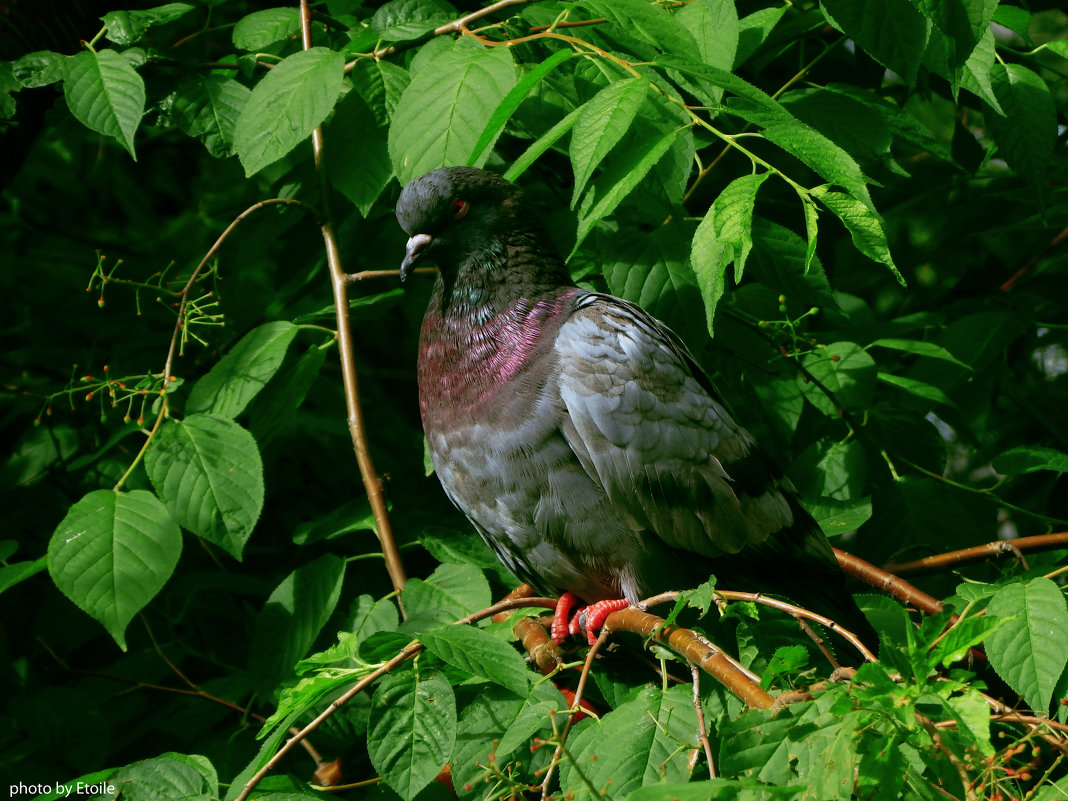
942,561
371,483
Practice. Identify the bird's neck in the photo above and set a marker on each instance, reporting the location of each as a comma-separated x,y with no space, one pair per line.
483,328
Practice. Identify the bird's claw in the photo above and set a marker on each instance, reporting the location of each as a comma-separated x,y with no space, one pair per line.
588,619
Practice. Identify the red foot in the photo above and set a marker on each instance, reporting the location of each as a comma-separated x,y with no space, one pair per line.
594,616
559,628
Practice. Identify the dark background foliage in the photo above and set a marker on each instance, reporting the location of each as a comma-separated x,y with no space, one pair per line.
916,416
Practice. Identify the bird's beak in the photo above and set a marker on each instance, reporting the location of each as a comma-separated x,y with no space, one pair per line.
416,245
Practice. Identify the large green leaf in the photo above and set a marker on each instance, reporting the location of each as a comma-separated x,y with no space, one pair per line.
603,122
892,32
208,471
724,236
412,730
105,94
511,102
479,653
287,105
1029,458
864,226
359,165
240,375
446,106
259,29
846,370
448,594
112,553
648,22
293,616
208,106
402,20
126,27
1027,133
177,776
640,742
1030,650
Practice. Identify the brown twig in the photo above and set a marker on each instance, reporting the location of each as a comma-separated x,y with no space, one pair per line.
371,482
412,649
958,764
576,707
929,564
183,295
1011,282
888,583
363,275
702,730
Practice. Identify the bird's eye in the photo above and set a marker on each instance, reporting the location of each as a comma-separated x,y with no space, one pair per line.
459,209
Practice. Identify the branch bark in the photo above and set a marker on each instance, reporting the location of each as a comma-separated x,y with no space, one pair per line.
340,281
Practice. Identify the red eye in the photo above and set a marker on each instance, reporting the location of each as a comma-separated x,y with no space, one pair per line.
459,209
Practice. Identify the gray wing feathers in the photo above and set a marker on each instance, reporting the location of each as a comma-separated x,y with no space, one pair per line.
645,429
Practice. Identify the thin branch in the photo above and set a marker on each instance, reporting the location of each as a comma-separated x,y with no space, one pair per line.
411,650
176,334
930,564
576,707
954,760
887,582
371,482
702,729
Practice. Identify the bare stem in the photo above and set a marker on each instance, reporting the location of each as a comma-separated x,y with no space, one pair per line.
339,280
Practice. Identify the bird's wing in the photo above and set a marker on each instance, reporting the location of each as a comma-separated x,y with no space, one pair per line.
646,425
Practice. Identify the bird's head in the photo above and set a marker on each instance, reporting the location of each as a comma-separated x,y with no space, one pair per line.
453,213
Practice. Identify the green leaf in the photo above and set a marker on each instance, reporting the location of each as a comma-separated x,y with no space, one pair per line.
447,106
918,347
754,30
965,634
918,389
412,730
450,593
286,106
240,375
605,118
846,370
864,226
724,236
650,269
892,32
836,516
782,128
1027,133
358,166
619,180
963,22
403,20
105,94
786,659
1031,650
112,553
511,102
126,27
643,741
208,471
208,107
273,411
648,22
541,144
40,68
16,573
259,29
293,616
1029,459
175,776
481,654
714,26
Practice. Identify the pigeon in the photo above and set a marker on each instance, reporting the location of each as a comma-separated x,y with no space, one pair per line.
577,432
